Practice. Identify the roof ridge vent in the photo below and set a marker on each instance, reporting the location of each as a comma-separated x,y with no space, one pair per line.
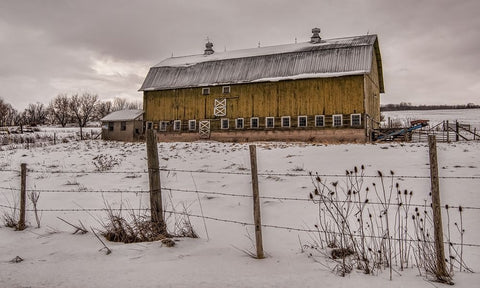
209,48
316,36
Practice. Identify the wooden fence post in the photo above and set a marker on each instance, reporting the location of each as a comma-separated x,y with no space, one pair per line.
448,132
457,138
23,196
256,203
441,272
156,208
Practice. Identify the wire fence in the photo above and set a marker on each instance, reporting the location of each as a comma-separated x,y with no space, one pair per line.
216,193
288,201
313,176
247,173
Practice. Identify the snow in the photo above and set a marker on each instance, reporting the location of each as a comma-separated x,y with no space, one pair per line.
53,257
312,75
185,61
466,116
123,115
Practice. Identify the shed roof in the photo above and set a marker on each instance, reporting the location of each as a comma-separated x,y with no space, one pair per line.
329,58
123,115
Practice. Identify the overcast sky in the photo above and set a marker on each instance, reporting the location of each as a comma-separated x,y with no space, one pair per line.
430,48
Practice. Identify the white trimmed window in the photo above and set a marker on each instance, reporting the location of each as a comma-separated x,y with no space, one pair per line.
192,125
239,123
355,120
302,121
205,91
149,125
269,122
110,126
319,120
254,122
162,126
177,125
226,89
337,120
286,121
224,123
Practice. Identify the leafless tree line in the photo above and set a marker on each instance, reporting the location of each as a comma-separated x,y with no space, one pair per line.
64,109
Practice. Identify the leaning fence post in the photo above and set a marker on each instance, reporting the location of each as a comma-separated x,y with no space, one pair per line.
256,202
437,213
23,195
156,208
457,138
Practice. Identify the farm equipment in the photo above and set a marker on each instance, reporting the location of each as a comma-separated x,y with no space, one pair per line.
390,134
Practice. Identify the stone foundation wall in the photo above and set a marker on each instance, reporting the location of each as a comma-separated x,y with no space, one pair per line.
316,135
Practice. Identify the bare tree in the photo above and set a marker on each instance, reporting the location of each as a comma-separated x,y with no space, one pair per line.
103,109
7,113
83,108
35,114
135,105
122,104
60,108
119,104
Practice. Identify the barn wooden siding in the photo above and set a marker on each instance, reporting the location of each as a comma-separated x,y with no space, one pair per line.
321,96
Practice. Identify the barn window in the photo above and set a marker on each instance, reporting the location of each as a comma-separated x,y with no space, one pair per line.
285,121
337,120
205,91
192,125
163,126
224,123
269,122
319,120
123,125
177,125
302,121
254,122
110,126
355,120
149,125
239,123
226,89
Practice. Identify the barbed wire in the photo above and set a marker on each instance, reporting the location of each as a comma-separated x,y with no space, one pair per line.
231,221
353,202
9,170
264,174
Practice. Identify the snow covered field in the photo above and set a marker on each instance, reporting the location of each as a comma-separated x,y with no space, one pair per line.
464,116
72,189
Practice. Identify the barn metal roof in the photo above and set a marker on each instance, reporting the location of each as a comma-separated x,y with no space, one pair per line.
329,58
123,115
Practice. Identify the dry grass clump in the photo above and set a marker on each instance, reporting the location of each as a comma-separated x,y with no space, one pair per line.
104,162
372,226
138,227
10,220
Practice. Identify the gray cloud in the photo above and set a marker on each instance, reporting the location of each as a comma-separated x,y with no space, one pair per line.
430,48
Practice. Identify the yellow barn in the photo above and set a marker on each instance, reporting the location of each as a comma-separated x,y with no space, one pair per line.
321,90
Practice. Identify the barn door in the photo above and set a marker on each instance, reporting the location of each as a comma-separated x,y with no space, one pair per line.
204,129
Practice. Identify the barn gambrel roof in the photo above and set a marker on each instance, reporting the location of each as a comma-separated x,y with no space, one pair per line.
329,58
